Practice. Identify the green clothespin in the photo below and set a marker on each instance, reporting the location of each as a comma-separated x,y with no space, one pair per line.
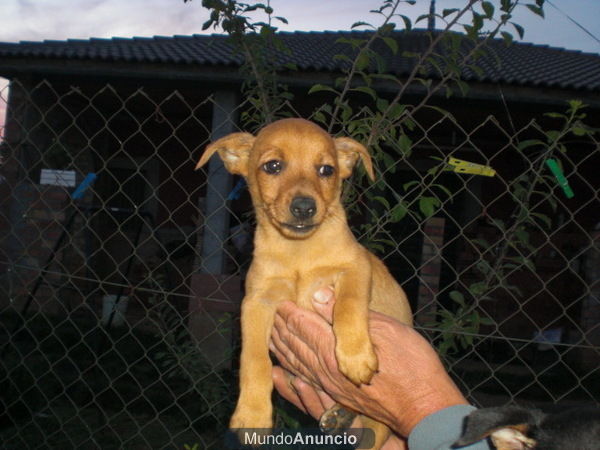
560,177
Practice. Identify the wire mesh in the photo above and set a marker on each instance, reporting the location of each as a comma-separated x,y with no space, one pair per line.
117,334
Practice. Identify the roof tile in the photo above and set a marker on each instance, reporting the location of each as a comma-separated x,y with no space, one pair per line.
522,64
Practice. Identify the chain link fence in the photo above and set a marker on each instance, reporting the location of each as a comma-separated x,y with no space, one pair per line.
122,269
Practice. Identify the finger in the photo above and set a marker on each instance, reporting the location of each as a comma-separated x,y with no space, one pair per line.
285,355
282,380
305,327
309,397
323,301
326,400
299,320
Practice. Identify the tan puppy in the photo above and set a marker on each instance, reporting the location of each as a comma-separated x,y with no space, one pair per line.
294,171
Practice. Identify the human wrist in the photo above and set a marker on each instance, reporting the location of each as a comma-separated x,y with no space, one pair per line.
426,405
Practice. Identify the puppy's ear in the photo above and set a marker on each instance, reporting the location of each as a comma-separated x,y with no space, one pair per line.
506,426
233,150
348,151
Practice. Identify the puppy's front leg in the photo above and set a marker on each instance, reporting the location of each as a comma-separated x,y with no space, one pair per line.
353,350
254,408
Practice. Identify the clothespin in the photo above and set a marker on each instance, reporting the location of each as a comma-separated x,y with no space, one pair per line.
560,177
83,186
460,166
237,190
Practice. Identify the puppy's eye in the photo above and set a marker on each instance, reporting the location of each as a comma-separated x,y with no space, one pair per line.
325,170
272,167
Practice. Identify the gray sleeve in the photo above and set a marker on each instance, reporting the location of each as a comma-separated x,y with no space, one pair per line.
440,430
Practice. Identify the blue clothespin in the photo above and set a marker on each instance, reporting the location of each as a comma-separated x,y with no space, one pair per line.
86,183
237,190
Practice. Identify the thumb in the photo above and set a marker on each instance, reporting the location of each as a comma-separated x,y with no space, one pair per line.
323,301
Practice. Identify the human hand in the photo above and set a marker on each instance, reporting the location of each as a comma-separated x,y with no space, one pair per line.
315,402
411,382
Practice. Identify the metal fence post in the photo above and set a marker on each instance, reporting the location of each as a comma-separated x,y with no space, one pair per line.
216,225
213,329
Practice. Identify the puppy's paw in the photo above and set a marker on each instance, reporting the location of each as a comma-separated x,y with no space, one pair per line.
248,423
356,360
252,417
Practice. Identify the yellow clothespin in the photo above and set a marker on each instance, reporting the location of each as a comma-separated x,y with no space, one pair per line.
460,166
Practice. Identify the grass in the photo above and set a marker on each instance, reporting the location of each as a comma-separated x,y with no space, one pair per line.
69,384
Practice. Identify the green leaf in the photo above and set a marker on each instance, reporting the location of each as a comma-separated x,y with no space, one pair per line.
385,76
500,224
407,22
555,115
207,24
410,184
488,8
447,12
464,87
575,104
366,90
383,201
508,38
398,212
543,218
319,117
381,64
529,143
552,135
361,24
405,143
519,28
481,242
392,44
346,111
487,321
523,236
470,31
386,29
441,187
322,87
422,17
382,104
505,5
396,111
478,288
483,266
536,10
457,297
428,205
342,58
477,21
363,60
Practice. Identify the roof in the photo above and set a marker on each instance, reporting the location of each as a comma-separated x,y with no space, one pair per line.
517,64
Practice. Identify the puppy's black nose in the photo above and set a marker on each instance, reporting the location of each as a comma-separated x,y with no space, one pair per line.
303,207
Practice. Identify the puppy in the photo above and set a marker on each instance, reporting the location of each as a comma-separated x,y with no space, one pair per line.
517,428
294,171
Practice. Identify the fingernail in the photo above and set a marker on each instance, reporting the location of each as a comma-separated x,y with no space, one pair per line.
322,296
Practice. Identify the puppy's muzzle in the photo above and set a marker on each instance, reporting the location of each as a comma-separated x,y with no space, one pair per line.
303,208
